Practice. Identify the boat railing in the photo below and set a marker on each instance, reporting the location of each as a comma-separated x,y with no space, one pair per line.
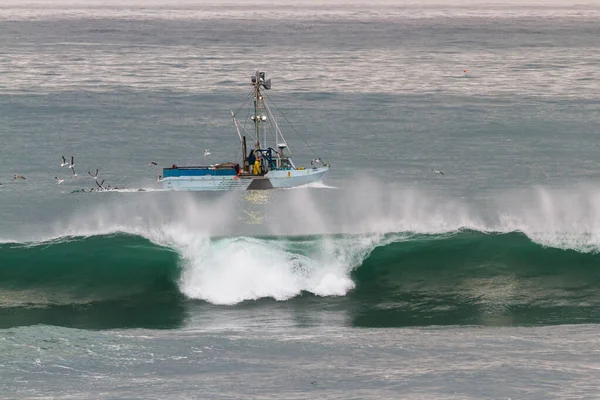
200,167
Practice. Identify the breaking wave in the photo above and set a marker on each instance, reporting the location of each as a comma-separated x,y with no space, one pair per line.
408,260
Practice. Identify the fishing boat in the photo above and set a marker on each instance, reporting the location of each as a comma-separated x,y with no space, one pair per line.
266,166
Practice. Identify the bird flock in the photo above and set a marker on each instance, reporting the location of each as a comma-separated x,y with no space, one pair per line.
71,165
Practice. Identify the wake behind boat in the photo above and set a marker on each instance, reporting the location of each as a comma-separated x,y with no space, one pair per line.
264,167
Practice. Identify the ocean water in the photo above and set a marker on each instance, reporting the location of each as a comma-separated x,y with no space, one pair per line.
386,281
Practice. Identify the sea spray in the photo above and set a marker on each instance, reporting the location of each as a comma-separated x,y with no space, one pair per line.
165,218
560,218
553,217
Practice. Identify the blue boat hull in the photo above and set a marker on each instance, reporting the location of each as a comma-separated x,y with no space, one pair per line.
203,179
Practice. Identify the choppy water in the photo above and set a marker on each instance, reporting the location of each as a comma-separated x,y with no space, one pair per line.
386,281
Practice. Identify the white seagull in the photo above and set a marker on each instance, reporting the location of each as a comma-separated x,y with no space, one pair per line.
438,172
152,163
72,166
95,176
59,180
206,152
64,162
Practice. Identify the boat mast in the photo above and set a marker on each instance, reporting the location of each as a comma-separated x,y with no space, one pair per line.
258,80
256,122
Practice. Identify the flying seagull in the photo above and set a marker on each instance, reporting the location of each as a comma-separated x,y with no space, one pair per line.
64,162
438,172
152,163
59,180
19,177
95,176
206,152
72,166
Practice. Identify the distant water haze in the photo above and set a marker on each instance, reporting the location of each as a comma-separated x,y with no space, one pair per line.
407,3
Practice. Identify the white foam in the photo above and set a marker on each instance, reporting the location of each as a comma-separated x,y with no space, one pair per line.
231,270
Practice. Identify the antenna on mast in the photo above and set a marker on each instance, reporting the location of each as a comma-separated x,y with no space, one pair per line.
258,80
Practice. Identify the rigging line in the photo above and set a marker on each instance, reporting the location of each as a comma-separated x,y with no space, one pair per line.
294,128
251,134
238,110
243,102
273,123
244,130
273,126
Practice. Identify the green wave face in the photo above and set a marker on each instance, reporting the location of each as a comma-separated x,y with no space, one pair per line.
476,278
394,280
95,282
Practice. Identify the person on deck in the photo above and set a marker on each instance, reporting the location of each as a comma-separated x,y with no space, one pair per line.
256,170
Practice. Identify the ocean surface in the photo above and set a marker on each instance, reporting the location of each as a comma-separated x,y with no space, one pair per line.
385,281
